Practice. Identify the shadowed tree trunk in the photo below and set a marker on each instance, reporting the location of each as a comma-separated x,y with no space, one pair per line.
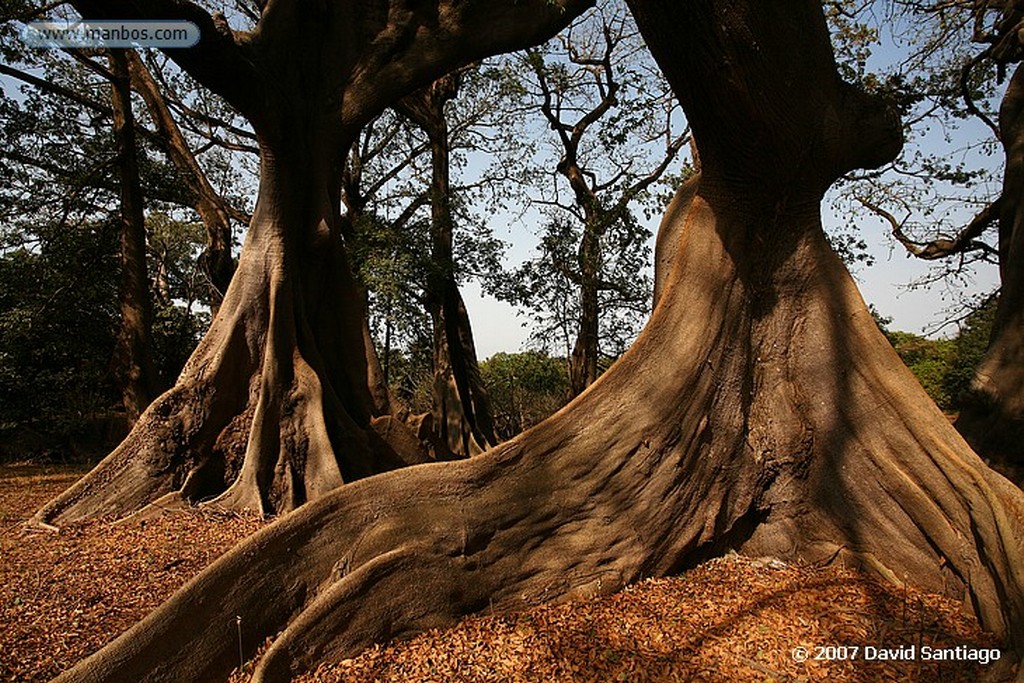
761,409
992,417
275,406
133,355
211,207
461,410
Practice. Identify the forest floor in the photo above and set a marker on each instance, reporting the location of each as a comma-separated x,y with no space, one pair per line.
63,595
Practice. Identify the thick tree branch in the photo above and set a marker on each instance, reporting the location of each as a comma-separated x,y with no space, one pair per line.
222,60
816,127
414,47
966,240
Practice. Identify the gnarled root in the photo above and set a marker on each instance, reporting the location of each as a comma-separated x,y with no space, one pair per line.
766,415
261,419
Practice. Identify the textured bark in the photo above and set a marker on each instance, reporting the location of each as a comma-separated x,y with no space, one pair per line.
761,410
279,403
275,390
992,418
461,413
585,350
133,356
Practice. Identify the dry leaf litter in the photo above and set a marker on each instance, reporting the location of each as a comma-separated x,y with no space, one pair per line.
63,595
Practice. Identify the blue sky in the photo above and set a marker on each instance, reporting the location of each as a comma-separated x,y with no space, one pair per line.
885,284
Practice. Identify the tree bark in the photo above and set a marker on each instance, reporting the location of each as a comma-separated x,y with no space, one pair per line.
274,407
461,413
992,417
133,356
211,207
760,410
585,350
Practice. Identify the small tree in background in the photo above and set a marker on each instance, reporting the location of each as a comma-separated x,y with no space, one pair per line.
612,122
525,388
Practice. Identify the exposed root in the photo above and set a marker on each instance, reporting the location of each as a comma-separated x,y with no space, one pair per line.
717,430
258,421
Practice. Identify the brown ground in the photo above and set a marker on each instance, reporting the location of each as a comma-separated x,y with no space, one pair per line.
64,595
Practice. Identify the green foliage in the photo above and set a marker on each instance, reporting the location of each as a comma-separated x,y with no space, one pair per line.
931,361
178,284
176,332
387,197
922,57
944,367
391,261
524,389
58,324
970,347
410,373
548,286
57,321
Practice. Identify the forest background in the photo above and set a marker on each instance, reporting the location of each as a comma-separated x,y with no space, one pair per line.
517,248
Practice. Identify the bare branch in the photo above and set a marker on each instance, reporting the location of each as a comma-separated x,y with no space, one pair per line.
643,183
966,241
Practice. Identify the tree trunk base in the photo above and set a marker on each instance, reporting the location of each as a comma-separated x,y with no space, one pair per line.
266,414
761,410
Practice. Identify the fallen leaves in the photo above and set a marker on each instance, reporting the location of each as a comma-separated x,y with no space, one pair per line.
63,595
731,619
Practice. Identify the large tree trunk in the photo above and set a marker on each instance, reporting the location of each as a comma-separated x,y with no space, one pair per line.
992,418
133,355
760,409
275,408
